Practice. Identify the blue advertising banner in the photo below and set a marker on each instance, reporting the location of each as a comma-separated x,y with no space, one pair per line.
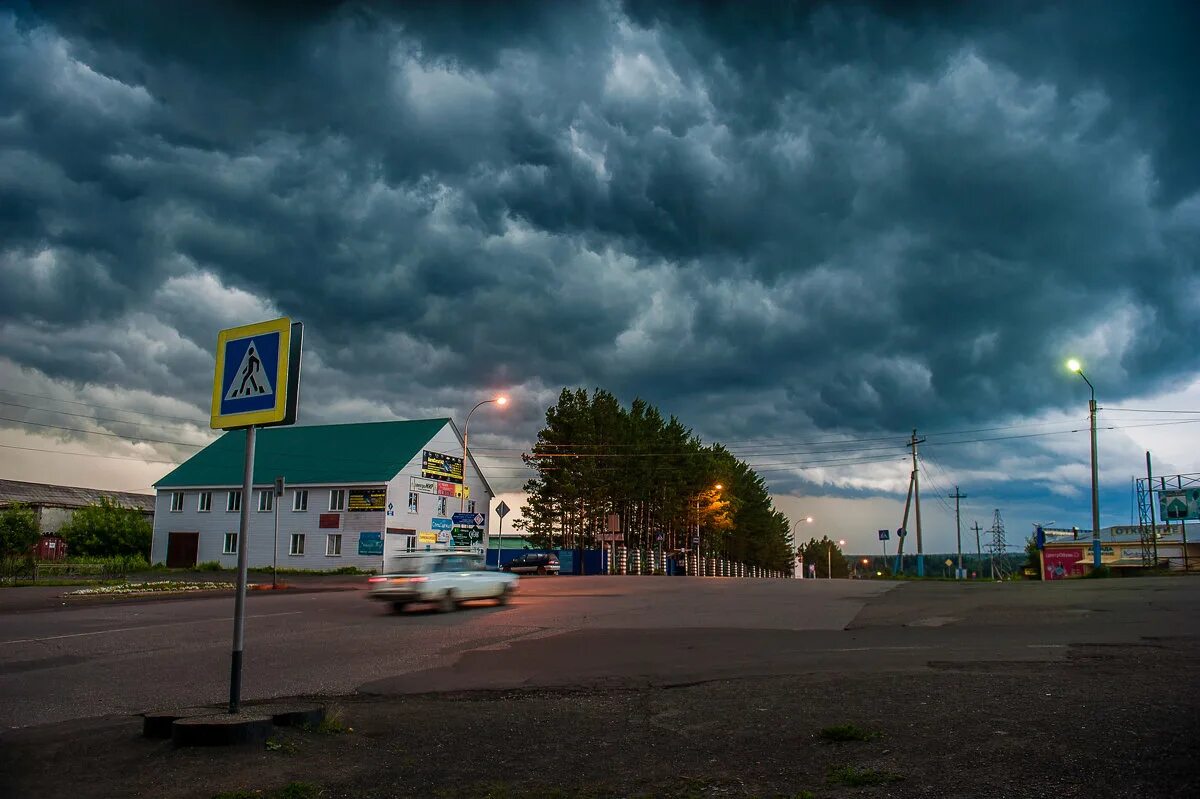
370,543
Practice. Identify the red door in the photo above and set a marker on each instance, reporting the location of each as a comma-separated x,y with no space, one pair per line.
182,549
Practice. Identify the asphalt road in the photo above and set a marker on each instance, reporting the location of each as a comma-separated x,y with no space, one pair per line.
91,660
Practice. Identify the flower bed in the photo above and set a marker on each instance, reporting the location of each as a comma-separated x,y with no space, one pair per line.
158,586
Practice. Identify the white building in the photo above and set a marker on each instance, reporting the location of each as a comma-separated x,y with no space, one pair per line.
351,490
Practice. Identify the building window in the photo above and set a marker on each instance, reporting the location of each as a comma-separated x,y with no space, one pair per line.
233,502
300,501
266,500
441,506
204,504
333,545
413,499
230,547
337,499
470,506
297,545
176,501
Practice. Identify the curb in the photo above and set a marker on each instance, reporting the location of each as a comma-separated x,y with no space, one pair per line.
207,593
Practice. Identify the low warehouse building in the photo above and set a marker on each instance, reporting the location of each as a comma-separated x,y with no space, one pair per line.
1121,550
54,505
351,490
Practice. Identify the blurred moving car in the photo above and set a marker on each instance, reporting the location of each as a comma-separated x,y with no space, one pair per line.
445,578
532,563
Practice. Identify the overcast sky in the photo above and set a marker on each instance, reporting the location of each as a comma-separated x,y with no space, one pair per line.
785,223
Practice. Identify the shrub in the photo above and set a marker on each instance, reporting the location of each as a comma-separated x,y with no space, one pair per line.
1099,573
108,530
19,533
209,566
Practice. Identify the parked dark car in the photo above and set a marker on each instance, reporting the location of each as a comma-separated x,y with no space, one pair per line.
533,563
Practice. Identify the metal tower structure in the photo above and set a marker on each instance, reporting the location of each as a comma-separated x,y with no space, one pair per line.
998,547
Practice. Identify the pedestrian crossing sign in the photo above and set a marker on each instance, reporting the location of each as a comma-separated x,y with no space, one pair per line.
257,378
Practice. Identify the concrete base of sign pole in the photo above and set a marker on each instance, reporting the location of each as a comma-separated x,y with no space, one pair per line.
289,714
222,729
157,723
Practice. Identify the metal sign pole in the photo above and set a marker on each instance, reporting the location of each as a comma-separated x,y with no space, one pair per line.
275,549
239,606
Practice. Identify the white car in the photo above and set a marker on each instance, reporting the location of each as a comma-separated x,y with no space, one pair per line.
445,578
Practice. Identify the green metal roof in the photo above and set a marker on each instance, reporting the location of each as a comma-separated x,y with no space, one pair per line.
363,452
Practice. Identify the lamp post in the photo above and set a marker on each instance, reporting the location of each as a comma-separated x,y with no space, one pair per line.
796,549
1077,368
501,401
829,558
699,564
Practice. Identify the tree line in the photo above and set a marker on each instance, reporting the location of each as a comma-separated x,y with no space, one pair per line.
596,458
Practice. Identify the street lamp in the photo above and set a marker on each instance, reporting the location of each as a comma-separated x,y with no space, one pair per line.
699,567
796,549
829,558
1077,368
501,401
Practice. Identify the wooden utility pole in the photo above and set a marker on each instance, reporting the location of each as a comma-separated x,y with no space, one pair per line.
978,547
956,496
903,531
916,490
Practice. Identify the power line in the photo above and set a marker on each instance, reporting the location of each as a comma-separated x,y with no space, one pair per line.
105,407
1149,410
86,454
95,418
135,439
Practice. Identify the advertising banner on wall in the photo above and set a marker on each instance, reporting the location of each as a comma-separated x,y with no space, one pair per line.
427,485
1179,505
366,499
1062,563
422,485
441,467
370,543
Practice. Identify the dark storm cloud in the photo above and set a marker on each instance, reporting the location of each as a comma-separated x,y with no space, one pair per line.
828,216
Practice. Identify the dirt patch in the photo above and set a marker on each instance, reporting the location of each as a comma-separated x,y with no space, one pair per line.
1031,729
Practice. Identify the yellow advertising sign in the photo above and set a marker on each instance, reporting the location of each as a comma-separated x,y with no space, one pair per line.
437,466
427,538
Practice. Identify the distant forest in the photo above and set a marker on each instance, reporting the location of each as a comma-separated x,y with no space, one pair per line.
596,457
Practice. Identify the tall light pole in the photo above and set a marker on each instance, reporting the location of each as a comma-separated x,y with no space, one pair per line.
829,558
699,566
1077,368
796,551
501,401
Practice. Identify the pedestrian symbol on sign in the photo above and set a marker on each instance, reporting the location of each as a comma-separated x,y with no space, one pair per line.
251,379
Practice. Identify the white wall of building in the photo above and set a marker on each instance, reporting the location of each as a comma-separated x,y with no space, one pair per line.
445,442
214,524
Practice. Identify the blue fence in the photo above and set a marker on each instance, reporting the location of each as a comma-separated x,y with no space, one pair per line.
569,560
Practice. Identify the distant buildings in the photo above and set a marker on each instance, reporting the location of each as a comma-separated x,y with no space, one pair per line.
1068,553
351,490
55,504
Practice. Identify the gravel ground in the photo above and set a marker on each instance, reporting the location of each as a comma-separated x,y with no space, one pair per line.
1108,721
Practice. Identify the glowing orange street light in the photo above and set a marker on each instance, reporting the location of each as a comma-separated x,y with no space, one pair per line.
500,400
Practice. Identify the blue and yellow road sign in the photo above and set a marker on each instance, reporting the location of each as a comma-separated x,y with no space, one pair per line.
258,374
